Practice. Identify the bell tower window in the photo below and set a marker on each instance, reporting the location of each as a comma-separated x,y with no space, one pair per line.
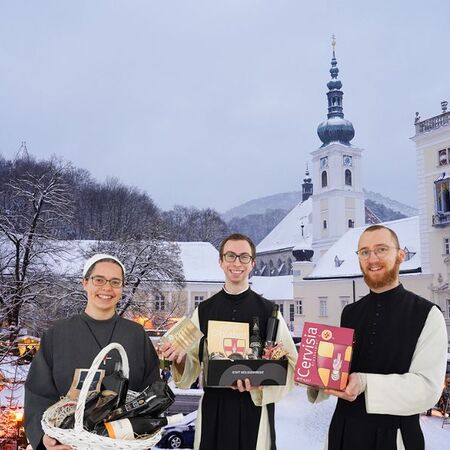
324,179
348,177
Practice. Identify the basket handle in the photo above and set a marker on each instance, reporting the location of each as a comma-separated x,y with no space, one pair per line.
79,412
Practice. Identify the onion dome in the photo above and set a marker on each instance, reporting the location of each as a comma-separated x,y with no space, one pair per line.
335,128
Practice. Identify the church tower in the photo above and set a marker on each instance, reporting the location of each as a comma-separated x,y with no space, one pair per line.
338,199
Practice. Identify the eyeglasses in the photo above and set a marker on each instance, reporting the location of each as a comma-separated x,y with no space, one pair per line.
244,258
380,252
101,281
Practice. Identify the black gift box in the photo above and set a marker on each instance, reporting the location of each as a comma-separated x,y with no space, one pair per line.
260,372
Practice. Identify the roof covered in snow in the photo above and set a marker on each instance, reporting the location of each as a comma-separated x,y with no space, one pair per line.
200,262
274,288
341,260
288,233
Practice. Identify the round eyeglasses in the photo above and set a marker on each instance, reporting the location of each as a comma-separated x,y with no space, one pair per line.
380,252
244,258
101,281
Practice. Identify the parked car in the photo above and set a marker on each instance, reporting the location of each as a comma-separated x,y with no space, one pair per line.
180,435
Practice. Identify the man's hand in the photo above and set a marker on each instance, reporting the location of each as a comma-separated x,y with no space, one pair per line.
173,353
53,444
353,389
245,386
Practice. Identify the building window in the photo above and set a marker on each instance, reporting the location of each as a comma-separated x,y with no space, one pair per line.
446,246
344,302
442,196
281,309
351,223
291,312
448,308
299,307
324,179
443,157
197,300
348,177
324,224
159,302
323,312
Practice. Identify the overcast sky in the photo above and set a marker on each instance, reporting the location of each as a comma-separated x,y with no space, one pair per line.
212,103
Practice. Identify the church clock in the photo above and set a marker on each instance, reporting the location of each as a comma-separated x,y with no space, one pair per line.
324,162
347,160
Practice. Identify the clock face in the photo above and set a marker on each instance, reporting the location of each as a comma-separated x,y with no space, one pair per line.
347,159
324,162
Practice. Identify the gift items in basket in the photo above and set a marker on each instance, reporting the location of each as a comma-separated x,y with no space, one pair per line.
108,419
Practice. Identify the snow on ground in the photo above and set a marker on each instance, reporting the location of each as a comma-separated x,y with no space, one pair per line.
303,426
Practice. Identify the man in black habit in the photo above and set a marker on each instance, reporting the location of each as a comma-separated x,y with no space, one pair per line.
73,343
241,418
399,357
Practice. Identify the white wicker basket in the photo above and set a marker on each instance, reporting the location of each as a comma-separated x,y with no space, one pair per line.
80,439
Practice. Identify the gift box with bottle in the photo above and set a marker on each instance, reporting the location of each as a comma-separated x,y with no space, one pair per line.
236,354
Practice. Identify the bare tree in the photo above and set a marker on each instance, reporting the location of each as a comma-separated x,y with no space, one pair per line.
35,205
193,224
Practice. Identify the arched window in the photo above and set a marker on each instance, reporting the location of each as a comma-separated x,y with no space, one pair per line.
351,223
348,177
324,179
324,224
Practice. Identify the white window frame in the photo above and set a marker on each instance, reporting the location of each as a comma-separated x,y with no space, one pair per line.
446,246
323,306
291,312
198,299
299,307
160,302
441,160
345,300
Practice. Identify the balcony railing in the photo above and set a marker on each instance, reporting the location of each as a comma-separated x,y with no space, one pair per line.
441,220
433,123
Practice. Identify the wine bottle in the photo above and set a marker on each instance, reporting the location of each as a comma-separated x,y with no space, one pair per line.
136,426
133,407
153,400
117,383
164,398
255,339
102,409
272,327
91,402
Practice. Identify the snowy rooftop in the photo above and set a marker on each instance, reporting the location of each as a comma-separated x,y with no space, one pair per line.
288,232
274,288
341,260
200,262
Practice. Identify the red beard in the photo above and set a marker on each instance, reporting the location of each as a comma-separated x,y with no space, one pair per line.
388,278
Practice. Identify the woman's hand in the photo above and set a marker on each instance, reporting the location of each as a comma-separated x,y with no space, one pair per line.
173,353
53,444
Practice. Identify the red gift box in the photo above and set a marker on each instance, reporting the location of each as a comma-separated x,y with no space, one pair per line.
324,356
